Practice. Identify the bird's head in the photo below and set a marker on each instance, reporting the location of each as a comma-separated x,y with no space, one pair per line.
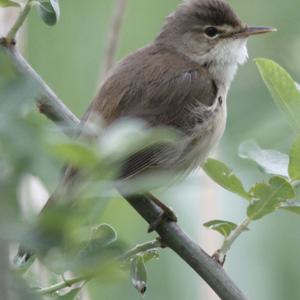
209,31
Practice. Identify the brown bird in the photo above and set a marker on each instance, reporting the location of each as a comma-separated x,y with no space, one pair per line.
179,81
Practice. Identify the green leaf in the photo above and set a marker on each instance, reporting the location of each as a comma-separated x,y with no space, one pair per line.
49,11
223,227
138,274
269,161
6,3
70,295
282,88
224,176
294,166
77,154
102,248
267,197
103,235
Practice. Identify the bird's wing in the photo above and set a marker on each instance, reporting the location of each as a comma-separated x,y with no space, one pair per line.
159,88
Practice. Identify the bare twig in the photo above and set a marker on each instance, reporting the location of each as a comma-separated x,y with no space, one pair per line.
47,102
113,35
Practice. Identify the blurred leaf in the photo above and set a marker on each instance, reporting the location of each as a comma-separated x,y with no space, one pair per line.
138,274
224,176
103,235
126,137
102,249
270,161
267,197
291,206
283,89
70,295
19,289
49,11
223,227
5,3
294,166
77,154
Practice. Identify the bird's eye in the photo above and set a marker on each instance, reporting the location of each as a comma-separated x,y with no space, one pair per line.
211,31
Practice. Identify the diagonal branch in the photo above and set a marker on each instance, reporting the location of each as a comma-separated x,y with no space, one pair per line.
171,233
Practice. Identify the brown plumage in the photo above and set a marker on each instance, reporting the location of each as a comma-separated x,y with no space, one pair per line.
179,81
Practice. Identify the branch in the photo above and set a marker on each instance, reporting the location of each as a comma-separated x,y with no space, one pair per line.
113,35
69,282
47,102
171,233
228,242
19,22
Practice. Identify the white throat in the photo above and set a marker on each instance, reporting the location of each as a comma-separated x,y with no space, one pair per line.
225,59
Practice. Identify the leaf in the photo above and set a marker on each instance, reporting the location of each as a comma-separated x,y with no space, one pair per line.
49,11
103,235
138,274
102,248
77,154
282,88
223,227
294,166
267,197
224,176
6,3
270,161
69,295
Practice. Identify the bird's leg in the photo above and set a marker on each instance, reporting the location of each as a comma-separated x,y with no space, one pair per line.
167,213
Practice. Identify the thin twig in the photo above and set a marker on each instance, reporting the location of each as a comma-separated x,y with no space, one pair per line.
69,282
114,35
228,242
19,22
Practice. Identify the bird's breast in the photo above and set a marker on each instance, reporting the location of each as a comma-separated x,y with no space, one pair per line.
206,134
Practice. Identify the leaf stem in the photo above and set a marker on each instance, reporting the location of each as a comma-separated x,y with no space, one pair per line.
69,282
19,22
233,236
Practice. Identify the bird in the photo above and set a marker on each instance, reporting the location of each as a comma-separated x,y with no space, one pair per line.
178,81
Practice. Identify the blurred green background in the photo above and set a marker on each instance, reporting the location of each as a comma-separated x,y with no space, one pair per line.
264,261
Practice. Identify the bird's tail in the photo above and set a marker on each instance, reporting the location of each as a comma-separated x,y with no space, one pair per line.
23,259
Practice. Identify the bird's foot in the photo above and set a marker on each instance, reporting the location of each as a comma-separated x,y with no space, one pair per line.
167,214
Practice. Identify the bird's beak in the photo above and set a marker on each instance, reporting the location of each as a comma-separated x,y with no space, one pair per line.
255,30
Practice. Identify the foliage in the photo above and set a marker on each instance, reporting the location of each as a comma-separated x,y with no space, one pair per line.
280,190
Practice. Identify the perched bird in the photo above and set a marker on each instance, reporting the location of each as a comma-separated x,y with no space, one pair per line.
179,81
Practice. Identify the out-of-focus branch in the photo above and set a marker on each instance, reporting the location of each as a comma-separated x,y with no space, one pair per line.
69,282
47,102
113,35
171,233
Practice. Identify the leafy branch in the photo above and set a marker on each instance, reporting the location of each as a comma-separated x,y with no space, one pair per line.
280,191
139,250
